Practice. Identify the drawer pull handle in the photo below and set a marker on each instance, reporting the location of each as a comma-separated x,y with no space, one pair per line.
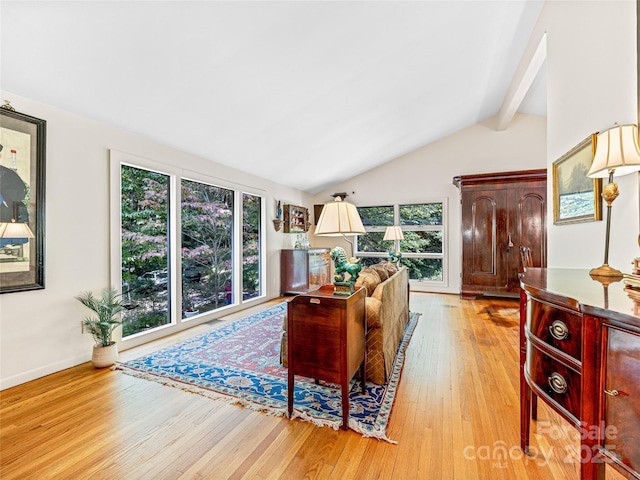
557,383
613,393
559,330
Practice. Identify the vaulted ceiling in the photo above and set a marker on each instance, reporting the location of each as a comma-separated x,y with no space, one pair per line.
304,93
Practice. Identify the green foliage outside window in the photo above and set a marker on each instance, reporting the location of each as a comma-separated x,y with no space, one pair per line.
251,211
207,253
144,217
376,216
372,242
423,268
421,242
423,235
421,214
207,222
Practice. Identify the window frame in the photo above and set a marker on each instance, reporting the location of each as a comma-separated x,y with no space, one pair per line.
176,175
418,285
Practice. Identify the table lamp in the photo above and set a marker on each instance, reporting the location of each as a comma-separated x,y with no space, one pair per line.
15,233
341,219
394,234
617,153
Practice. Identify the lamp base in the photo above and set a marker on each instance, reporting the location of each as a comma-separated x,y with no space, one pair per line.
605,271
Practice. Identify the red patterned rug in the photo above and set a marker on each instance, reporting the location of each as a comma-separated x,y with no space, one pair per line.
240,363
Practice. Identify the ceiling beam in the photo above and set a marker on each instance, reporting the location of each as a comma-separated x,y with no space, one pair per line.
532,60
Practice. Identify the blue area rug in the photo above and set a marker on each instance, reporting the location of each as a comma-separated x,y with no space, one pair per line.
240,363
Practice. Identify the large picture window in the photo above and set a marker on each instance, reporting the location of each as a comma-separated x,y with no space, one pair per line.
423,227
145,256
186,247
207,247
251,246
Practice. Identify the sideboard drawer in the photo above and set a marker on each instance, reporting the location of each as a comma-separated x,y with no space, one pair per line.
555,326
559,383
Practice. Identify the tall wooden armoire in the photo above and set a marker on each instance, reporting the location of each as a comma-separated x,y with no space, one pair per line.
501,212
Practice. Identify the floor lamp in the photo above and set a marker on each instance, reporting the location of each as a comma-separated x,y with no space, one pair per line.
616,153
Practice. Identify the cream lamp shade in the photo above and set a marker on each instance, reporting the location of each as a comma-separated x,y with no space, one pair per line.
339,218
15,230
616,153
393,233
616,149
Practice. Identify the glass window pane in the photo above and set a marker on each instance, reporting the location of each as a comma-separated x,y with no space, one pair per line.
424,268
376,216
372,242
421,214
251,246
422,242
145,260
207,240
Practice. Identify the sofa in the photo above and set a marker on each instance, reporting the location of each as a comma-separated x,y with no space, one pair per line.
387,310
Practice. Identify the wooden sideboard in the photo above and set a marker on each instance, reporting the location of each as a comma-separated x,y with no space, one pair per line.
580,353
303,270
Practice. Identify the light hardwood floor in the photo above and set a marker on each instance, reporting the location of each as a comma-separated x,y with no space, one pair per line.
456,416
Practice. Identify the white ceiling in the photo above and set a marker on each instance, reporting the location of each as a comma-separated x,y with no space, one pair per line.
303,93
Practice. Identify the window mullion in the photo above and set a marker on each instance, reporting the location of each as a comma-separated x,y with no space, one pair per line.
173,250
237,246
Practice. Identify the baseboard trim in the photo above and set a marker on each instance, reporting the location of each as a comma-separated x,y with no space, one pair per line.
40,372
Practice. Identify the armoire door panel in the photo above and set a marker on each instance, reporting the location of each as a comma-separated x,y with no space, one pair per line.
484,239
500,213
483,236
528,222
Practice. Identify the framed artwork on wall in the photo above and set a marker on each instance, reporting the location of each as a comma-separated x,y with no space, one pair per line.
576,197
317,211
22,209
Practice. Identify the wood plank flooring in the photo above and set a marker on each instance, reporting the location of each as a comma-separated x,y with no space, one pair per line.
456,416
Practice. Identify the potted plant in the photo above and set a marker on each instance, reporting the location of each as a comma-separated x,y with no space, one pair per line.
107,308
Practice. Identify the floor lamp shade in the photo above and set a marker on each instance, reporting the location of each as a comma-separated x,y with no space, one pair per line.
339,218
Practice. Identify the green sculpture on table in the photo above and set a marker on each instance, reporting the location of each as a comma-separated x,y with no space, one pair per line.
395,256
343,265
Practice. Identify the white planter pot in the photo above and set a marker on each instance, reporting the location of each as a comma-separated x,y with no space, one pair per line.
105,356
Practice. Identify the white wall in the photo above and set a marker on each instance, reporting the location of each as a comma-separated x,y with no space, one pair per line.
592,83
427,174
40,330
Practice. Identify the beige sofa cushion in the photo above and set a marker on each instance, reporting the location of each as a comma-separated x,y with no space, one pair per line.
369,279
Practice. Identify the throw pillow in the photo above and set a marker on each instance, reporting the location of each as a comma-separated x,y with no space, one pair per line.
381,271
369,279
372,307
390,268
